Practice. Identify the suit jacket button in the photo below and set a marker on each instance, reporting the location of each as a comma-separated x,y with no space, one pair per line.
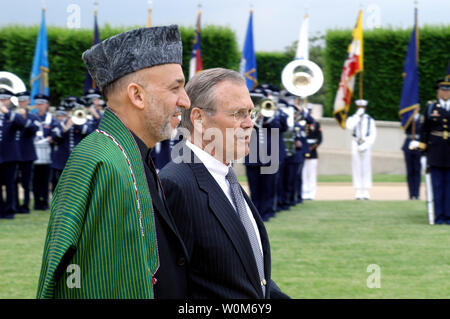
263,282
181,261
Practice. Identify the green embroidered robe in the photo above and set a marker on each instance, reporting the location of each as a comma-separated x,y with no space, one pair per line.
95,217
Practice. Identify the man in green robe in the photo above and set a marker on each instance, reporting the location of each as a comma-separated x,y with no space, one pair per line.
109,233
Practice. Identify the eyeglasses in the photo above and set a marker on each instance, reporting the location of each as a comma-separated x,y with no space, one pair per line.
240,115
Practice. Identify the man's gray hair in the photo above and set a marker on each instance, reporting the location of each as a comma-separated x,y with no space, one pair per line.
201,91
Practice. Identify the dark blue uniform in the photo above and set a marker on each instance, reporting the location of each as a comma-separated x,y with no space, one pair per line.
63,144
283,119
262,186
10,124
293,166
435,139
25,138
412,158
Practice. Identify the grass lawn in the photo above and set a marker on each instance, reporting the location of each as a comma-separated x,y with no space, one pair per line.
320,249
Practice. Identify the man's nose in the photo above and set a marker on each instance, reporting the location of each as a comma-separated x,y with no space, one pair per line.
184,100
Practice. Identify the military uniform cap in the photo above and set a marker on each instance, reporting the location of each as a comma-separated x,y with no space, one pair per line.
23,96
361,102
444,83
5,94
132,51
41,98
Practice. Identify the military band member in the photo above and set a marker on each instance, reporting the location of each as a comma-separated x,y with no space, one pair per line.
296,151
262,186
66,135
96,105
42,144
412,156
25,139
364,133
435,141
10,123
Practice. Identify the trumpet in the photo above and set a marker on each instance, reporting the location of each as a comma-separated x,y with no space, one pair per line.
79,115
267,107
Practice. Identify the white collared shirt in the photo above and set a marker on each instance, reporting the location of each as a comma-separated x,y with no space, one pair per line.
219,170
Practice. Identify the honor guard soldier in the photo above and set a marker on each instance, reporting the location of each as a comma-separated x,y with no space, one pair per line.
309,174
364,134
10,123
67,134
42,144
413,156
25,138
435,141
296,150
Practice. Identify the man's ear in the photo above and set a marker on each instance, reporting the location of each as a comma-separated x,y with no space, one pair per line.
136,95
197,118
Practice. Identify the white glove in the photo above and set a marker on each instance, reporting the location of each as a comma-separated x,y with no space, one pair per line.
363,147
413,145
360,111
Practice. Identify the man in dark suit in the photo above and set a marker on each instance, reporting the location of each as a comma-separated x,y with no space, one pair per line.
227,243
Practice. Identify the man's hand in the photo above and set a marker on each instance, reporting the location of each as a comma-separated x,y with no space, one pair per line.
413,145
363,147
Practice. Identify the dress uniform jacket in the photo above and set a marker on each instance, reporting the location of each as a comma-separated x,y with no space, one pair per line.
435,135
314,138
26,138
10,124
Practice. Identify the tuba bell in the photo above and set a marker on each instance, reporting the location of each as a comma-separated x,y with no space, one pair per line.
13,83
302,77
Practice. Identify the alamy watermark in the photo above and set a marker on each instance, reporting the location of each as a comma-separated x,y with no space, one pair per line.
374,279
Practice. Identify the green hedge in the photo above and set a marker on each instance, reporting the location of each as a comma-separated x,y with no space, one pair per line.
67,70
384,56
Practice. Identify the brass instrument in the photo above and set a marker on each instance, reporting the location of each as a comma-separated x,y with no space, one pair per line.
79,115
302,77
267,107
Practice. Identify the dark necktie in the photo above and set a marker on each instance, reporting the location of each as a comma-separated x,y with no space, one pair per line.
239,202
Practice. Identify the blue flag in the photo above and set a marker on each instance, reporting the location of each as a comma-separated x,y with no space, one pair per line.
409,103
88,81
248,60
40,69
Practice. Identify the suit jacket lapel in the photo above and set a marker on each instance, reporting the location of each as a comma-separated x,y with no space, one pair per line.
227,216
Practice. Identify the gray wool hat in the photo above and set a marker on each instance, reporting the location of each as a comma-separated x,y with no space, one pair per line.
132,51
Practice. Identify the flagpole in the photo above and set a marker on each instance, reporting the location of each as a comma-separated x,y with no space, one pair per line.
149,17
95,7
